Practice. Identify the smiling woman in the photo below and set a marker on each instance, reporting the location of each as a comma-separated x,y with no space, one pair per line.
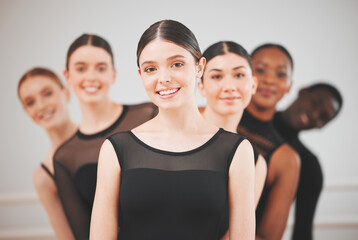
44,99
90,72
171,177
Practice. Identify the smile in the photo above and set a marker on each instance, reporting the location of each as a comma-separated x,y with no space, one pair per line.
167,92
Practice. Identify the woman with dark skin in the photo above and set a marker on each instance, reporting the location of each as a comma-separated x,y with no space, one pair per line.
272,66
315,106
171,177
44,98
90,72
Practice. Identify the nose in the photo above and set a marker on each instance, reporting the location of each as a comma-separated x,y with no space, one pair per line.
229,85
40,104
91,74
268,77
164,76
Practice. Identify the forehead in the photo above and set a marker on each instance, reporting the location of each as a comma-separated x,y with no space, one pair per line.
89,54
227,61
35,84
159,49
271,56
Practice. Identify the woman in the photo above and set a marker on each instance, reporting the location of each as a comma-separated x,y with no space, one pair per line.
44,98
174,174
272,66
228,85
90,72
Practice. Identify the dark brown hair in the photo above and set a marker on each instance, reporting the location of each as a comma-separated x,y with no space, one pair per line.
274,45
89,39
39,71
172,31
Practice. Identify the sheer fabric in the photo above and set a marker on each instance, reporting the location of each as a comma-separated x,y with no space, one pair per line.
173,195
75,164
266,141
309,185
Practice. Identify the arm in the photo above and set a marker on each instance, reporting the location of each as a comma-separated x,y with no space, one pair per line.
48,195
283,174
241,193
260,177
104,224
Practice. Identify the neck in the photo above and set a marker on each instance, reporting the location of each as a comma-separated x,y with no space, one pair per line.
286,117
98,116
181,120
263,114
61,133
228,122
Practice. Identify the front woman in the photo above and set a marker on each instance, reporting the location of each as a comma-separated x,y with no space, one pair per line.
272,65
171,177
90,72
44,99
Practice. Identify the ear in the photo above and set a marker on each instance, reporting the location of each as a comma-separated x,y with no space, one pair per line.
201,88
289,86
68,93
66,75
200,67
114,75
254,85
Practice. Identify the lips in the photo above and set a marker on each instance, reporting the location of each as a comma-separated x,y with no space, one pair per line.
167,92
266,92
47,115
91,89
229,100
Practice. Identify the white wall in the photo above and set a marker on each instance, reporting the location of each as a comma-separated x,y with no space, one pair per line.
321,35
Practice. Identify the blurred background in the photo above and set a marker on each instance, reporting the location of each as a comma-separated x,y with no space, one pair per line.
322,36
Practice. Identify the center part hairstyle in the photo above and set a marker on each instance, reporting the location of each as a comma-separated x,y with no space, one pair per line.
172,31
223,47
273,45
39,71
90,40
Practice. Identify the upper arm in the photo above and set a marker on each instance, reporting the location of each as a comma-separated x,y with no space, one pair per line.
48,195
283,174
241,193
104,223
260,177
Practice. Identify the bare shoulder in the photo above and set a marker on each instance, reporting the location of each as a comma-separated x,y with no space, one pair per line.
285,158
43,181
244,155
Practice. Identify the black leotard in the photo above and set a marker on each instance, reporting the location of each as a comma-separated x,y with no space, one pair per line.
47,170
266,141
173,195
310,182
75,164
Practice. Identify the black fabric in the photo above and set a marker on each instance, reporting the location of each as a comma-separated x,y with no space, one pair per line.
266,140
75,165
173,195
47,170
309,185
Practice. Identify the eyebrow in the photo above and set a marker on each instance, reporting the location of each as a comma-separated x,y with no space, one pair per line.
169,58
219,70
99,63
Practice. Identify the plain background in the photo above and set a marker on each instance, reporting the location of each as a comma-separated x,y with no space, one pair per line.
321,35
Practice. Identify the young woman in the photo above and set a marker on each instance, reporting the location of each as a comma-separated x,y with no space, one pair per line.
272,66
44,99
228,85
90,72
171,177
315,106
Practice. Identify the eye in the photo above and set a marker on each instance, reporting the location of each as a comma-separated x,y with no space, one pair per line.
30,103
281,74
80,69
102,69
177,65
239,75
48,93
216,77
260,70
149,69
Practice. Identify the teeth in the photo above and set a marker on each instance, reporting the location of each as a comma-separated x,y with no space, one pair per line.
47,115
91,89
167,92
